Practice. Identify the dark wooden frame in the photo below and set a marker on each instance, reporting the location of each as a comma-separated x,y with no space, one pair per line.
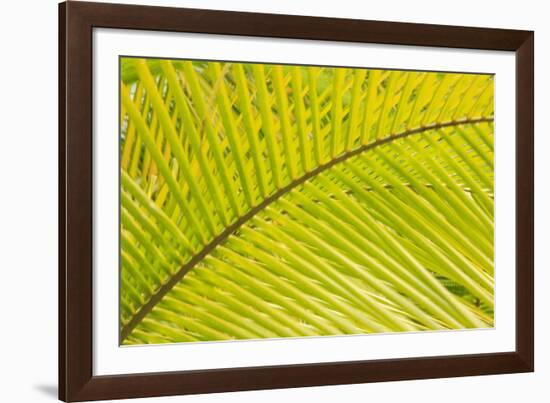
76,22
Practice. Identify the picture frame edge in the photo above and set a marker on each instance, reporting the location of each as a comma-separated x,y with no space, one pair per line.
76,381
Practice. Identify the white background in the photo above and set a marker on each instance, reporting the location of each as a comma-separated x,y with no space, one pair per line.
28,213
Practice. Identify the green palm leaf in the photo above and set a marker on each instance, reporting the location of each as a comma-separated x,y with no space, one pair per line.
262,201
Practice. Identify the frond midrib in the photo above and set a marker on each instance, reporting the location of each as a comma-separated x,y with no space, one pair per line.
210,246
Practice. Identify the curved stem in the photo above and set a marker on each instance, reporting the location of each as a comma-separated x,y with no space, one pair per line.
166,287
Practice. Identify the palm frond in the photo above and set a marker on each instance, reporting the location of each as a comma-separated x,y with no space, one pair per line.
262,201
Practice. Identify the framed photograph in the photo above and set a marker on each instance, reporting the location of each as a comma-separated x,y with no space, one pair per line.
252,201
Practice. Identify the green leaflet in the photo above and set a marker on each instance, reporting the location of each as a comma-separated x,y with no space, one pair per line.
263,201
